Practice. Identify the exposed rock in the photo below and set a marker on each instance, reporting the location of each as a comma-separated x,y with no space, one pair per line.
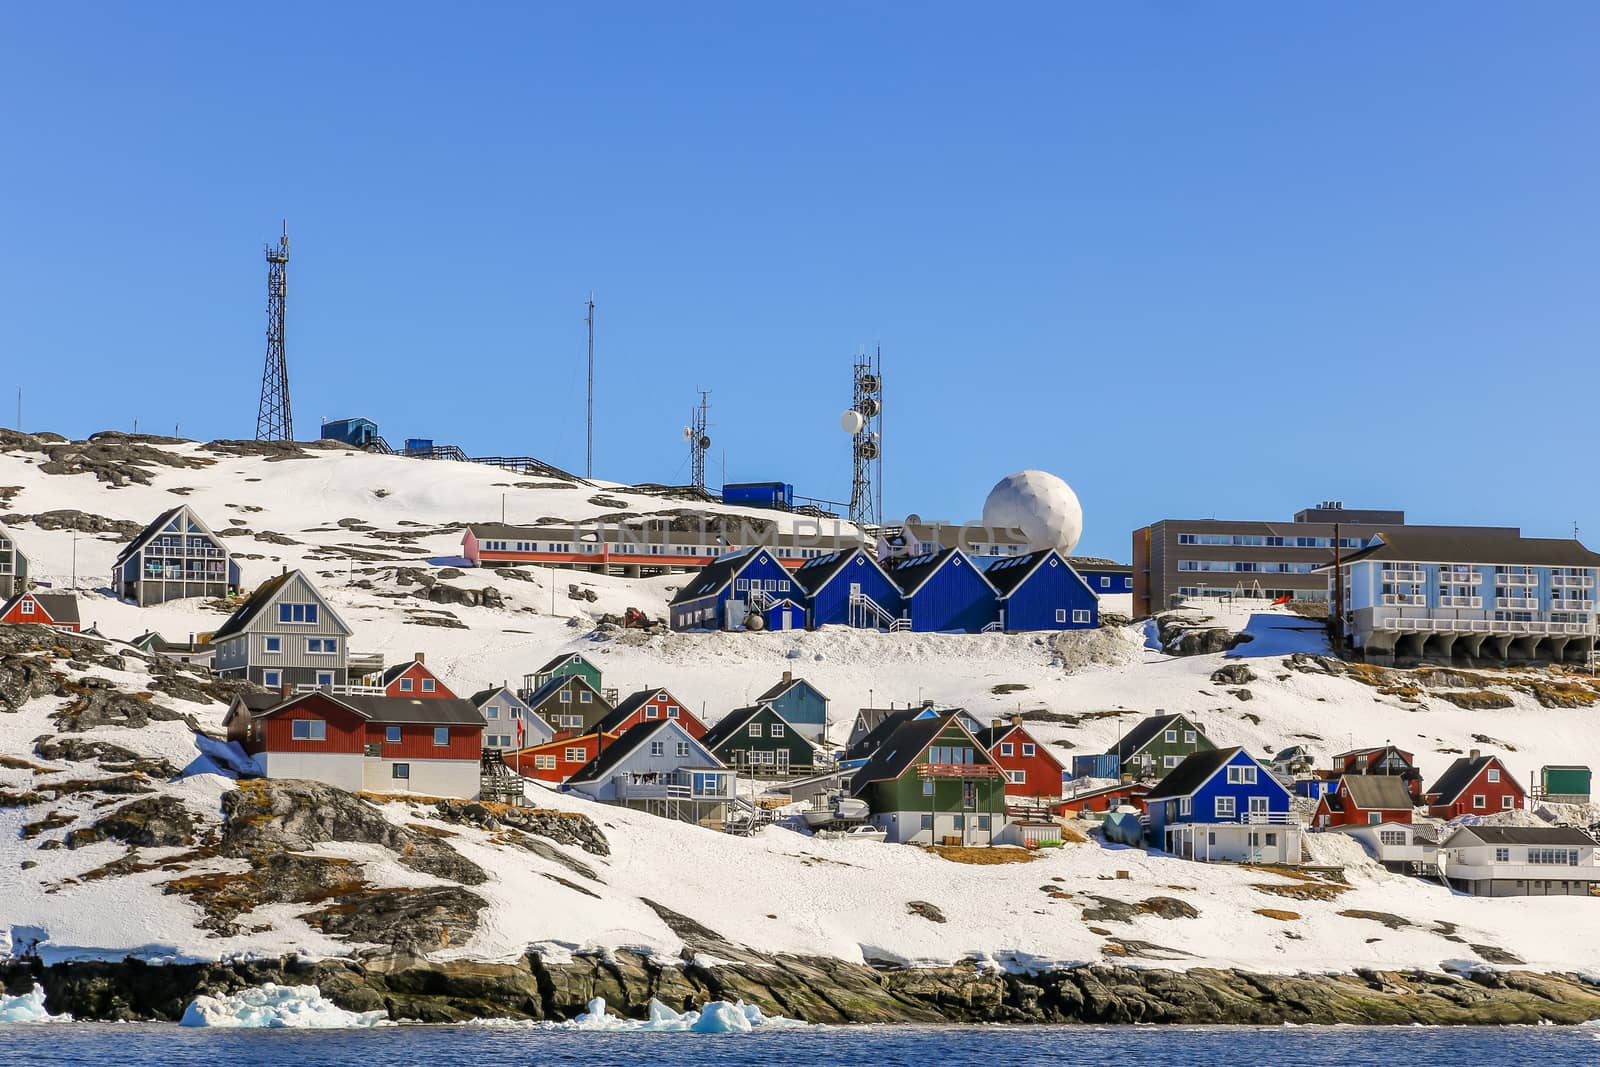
1233,674
1477,700
72,519
97,706
1169,908
563,827
1243,694
402,920
117,458
931,912
154,822
110,757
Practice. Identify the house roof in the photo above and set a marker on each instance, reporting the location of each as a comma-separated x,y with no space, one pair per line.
630,704
1446,546
557,661
253,606
392,673
1008,572
715,575
381,710
1371,792
783,687
880,724
732,723
1195,771
1144,731
900,750
818,572
910,573
1524,835
1457,777
1370,750
61,607
626,743
156,526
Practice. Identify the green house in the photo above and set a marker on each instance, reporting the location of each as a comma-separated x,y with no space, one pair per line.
759,741
566,665
1159,743
932,783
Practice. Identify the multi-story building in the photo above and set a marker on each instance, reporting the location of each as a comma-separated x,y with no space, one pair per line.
176,556
1415,595
646,549
13,566
1178,558
285,634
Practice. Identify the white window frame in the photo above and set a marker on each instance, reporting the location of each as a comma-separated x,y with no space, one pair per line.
391,735
754,729
1006,748
1027,749
273,646
428,685
445,730
1226,808
272,679
1080,615
777,730
405,685
658,748
1061,615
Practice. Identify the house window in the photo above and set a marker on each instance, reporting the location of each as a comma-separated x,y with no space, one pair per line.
1185,806
1479,801
927,822
491,712
544,763
1226,808
960,822
1505,802
683,748
575,755
777,729
755,729
652,712
1502,855
324,678
441,736
983,822
1189,737
1374,818
298,613
1241,776
322,645
1017,777
1391,837
1061,615
391,735
427,685
1080,615
309,730
566,696
1027,748
1105,583
1258,805
274,645
1006,748
1494,774
1172,737
1169,762
1272,838
658,748
27,607
585,697
400,771
405,685
271,679
927,787
672,712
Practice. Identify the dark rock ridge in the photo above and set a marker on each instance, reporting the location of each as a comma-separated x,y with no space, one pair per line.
823,990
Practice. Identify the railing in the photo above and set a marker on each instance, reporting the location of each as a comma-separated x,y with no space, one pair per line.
1249,818
1482,626
1516,603
1571,605
668,786
993,627
863,606
1585,870
1571,581
342,690
958,770
1405,600
1403,576
1461,602
900,626
1471,578
1509,578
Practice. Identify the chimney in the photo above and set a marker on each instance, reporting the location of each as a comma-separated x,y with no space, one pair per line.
788,676
997,723
1016,720
420,656
1475,754
286,690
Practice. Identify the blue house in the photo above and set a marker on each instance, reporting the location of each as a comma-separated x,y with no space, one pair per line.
1104,578
944,592
1224,805
849,588
359,432
729,590
801,704
1041,591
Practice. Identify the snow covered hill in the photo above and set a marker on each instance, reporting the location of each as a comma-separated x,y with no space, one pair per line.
359,522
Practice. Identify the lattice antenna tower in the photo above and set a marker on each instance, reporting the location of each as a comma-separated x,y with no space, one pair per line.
273,419
699,441
864,423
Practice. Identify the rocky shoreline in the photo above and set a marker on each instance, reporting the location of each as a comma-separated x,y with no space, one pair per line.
823,990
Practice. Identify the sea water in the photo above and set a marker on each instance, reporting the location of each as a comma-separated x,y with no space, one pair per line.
49,1044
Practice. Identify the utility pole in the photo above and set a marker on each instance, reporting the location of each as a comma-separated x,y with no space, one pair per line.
1337,615
588,466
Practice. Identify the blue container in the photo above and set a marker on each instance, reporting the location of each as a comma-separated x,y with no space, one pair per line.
419,444
1105,765
759,494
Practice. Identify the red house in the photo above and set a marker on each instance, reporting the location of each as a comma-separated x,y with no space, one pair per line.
1030,770
1107,798
1365,800
1386,759
414,679
379,744
1474,785
558,760
650,705
59,610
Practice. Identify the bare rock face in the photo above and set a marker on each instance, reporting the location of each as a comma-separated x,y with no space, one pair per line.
154,822
117,458
104,705
83,522
110,757
1233,674
410,921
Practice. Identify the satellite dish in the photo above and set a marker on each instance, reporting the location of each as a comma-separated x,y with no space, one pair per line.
913,519
852,421
870,407
687,433
705,443
867,449
870,383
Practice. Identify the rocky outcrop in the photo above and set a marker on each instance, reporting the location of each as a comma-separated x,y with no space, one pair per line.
73,519
1233,674
153,822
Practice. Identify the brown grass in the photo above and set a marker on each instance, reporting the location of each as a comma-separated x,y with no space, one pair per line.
1475,699
1278,913
1303,891
980,857
1072,835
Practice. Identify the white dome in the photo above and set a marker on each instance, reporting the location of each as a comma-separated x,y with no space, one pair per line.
1039,504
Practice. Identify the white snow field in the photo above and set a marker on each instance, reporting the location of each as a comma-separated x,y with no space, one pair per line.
776,891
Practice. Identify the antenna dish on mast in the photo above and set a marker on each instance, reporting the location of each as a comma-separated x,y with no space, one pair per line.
852,421
870,407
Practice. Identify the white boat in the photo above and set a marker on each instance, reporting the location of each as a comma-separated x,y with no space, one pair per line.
836,809
858,832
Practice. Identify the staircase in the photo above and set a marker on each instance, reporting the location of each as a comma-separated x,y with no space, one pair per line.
865,612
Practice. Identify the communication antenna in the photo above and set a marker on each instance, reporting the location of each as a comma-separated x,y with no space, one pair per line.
273,420
699,441
588,466
863,421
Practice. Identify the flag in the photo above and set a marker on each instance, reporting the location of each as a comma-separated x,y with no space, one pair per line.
1282,600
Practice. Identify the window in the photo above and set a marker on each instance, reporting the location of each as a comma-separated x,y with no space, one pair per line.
1506,802
1241,776
322,645
1189,737
298,613
585,697
324,678
1006,748
983,822
960,822
274,645
491,712
566,696
575,755
1172,737
427,685
309,730
27,607
400,771
1169,762
927,822
1494,774
1258,805
683,748
1374,818
927,787
777,729
1185,806
1226,808
391,735
1479,801
1027,748
544,763
1563,857
1105,583
1080,615
1272,838
652,712
1061,615
405,685
441,736
1391,837
1017,777
271,679
672,712
658,748
755,729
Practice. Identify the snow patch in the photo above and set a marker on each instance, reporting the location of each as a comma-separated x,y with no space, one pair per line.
277,1006
28,1008
714,1017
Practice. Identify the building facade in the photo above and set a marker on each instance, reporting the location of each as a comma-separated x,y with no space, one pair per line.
1224,806
643,550
13,566
1188,558
1519,861
931,782
56,610
285,634
174,557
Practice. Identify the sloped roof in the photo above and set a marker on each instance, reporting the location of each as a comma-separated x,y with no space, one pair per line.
1195,770
253,606
1446,546
714,575
1457,777
630,704
783,687
156,526
909,572
434,711
732,723
818,572
626,743
556,661
899,750
61,607
990,736
392,673
1524,835
1144,731
1008,572
877,733
1373,791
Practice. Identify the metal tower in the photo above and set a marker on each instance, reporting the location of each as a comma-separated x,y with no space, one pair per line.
864,422
588,467
273,421
699,442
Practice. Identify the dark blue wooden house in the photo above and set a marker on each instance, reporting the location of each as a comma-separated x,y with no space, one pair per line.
849,588
1104,578
945,592
1040,591
1224,805
176,556
362,433
726,592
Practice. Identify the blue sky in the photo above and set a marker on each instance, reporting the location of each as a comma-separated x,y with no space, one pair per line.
1196,259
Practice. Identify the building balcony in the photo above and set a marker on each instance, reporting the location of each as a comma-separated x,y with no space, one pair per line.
1477,872
1468,578
958,770
1405,600
1247,818
1572,605
1517,603
1461,602
1428,624
1509,578
343,690
1407,575
1572,581
708,786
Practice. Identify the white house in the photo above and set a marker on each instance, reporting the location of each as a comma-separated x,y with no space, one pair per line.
1517,861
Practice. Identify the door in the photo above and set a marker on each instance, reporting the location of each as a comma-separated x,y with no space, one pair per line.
783,761
1258,805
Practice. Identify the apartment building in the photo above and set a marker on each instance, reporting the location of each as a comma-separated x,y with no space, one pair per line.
1187,558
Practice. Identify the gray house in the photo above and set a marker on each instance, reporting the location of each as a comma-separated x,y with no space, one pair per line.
285,634
13,566
658,767
176,556
505,712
